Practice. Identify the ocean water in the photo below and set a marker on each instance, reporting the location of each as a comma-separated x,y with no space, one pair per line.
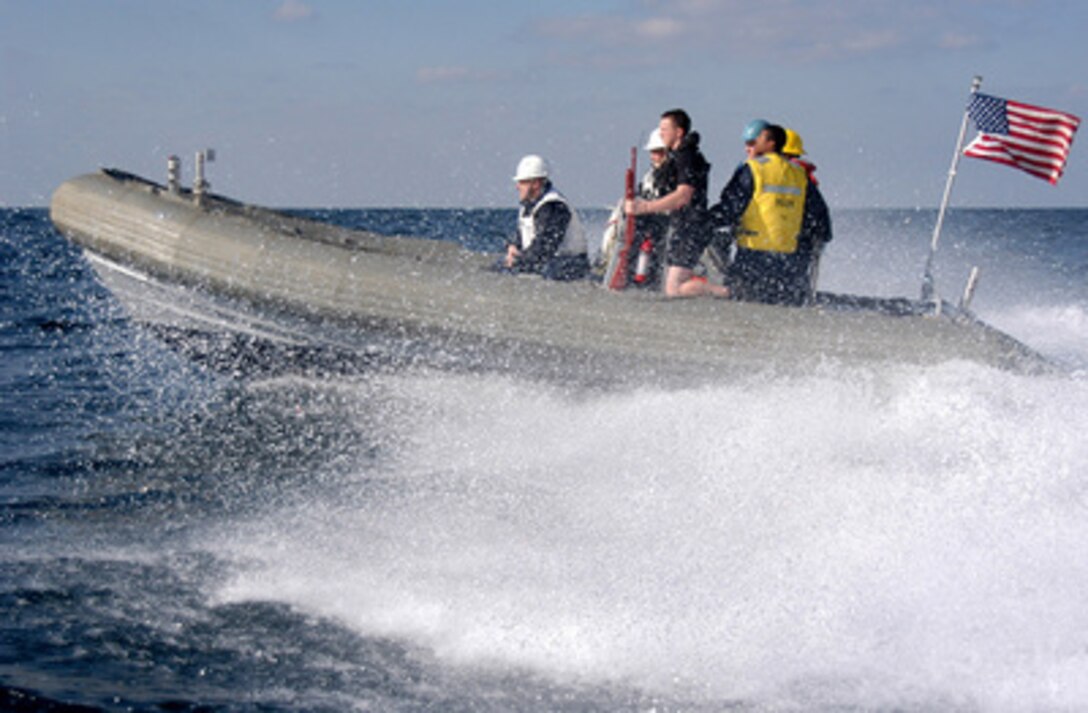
881,538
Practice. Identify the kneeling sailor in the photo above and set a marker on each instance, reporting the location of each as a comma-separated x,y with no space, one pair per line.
779,216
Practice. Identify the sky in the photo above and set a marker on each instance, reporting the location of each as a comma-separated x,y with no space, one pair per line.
402,103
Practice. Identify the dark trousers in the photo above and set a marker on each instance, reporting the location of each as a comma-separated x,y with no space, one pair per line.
560,267
770,277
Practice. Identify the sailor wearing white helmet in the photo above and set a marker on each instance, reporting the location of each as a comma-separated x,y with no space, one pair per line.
654,181
550,240
651,229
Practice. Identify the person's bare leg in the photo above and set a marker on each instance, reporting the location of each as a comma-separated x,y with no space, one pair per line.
680,282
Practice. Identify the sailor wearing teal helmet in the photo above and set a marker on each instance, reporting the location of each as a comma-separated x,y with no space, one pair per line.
751,132
778,217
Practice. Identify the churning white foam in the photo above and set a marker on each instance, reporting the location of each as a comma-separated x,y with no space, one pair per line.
872,537
1058,330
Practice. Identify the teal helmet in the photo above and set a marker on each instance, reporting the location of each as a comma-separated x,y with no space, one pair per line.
754,129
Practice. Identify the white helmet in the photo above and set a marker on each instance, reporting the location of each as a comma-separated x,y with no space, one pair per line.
655,141
531,166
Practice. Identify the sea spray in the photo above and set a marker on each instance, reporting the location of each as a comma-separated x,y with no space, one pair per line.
866,537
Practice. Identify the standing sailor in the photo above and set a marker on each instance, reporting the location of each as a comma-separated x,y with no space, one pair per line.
550,240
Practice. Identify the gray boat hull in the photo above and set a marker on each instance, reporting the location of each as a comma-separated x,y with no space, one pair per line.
220,267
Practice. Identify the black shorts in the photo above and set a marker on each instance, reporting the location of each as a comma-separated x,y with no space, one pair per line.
685,247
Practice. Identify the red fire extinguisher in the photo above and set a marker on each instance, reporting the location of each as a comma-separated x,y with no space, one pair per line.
642,265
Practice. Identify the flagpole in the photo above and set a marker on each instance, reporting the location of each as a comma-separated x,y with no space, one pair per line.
929,293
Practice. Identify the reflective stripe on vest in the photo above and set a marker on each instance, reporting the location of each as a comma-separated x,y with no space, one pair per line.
772,220
574,241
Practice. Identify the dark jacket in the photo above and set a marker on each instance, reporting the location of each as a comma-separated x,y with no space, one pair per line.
764,276
690,168
551,222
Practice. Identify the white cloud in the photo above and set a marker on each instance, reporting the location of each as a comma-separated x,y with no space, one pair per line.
293,10
428,75
956,41
659,28
789,31
872,41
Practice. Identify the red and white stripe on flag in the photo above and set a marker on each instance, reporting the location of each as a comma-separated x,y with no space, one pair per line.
1032,138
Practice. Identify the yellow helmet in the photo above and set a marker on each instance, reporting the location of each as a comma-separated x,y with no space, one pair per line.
794,145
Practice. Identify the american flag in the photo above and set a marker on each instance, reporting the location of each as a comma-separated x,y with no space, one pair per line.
1027,137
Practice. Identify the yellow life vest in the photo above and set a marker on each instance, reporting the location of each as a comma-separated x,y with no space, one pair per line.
772,220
